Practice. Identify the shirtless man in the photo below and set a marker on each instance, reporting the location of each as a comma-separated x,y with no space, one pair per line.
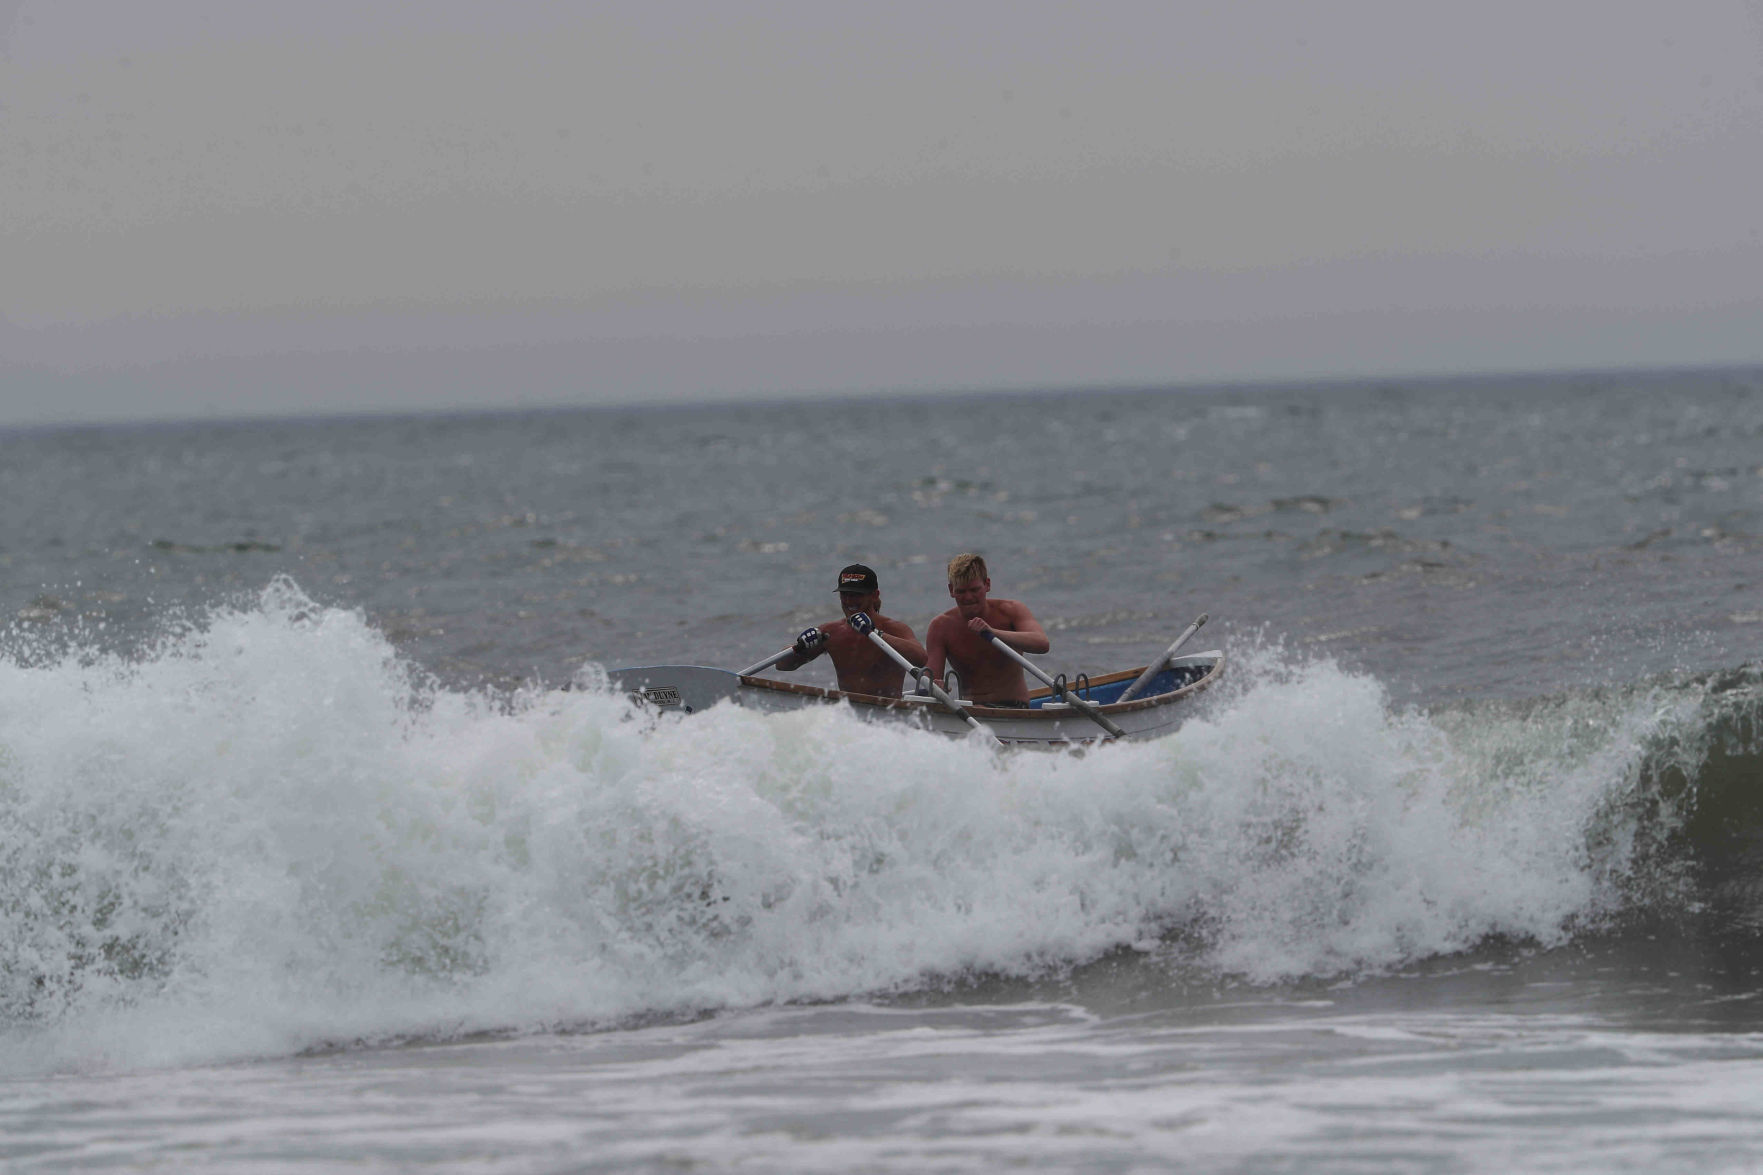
862,668
987,676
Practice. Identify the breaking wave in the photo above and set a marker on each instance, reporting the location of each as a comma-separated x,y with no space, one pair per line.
271,833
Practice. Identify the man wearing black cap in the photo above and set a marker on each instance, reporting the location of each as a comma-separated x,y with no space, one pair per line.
862,668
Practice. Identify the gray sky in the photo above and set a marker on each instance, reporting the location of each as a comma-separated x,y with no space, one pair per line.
235,207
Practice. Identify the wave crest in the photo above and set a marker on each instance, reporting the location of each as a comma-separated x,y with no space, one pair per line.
270,831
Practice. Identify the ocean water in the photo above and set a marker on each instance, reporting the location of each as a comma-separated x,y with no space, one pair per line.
307,860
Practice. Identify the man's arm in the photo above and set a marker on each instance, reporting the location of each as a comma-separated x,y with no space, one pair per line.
899,635
934,650
1025,633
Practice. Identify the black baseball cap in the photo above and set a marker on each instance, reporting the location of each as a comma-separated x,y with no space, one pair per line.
858,579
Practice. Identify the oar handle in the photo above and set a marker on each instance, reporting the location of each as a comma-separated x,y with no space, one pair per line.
936,690
768,662
1156,667
1087,708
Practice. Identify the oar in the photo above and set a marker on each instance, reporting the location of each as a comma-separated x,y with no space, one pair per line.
1156,667
768,662
863,624
1088,708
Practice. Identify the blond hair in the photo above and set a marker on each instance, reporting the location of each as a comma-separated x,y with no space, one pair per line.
967,569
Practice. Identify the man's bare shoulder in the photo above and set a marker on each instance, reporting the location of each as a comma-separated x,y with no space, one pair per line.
895,627
1013,610
839,632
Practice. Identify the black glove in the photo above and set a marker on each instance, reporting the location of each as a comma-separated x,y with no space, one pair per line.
861,623
810,643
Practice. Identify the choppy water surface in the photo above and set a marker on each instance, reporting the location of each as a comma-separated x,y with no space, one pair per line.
302,859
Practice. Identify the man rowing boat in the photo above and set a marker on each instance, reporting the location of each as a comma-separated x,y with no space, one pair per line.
862,668
988,676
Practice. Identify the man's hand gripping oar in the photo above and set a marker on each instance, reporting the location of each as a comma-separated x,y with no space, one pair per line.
761,666
807,647
864,626
1087,708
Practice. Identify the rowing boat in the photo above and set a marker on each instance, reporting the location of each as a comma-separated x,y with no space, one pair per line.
1059,715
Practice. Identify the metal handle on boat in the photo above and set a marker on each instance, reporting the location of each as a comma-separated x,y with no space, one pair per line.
1156,667
936,690
1088,709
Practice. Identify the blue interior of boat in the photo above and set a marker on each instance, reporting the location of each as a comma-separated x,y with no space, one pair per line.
1169,679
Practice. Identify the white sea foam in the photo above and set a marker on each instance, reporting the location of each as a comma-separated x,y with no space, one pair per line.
269,835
